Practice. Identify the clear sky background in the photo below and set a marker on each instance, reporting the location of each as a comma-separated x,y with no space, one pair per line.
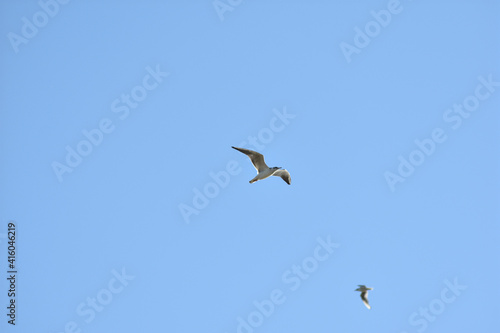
133,213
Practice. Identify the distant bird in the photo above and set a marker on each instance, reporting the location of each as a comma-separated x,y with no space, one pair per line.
364,294
263,171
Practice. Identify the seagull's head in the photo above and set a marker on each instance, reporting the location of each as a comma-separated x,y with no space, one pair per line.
276,168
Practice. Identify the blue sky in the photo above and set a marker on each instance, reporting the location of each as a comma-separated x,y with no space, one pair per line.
133,213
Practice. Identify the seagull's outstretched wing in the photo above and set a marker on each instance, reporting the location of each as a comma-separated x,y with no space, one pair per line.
364,297
284,174
256,158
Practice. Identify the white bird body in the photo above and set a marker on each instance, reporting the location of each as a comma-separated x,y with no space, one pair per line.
263,171
264,174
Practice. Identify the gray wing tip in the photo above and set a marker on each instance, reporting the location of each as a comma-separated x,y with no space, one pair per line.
285,175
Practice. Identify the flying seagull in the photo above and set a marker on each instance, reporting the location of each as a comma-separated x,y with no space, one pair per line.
364,294
263,171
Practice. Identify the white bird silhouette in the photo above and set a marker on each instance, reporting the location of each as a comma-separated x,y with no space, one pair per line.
263,171
364,294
